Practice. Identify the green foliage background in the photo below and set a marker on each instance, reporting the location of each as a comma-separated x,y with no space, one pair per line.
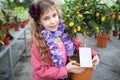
16,8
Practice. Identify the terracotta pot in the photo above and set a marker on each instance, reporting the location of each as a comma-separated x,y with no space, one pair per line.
6,41
115,33
102,41
86,75
22,25
12,25
119,37
16,28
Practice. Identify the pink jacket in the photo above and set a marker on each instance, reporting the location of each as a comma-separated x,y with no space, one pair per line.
43,72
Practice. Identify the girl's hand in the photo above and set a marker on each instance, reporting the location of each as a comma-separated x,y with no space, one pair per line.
71,67
95,61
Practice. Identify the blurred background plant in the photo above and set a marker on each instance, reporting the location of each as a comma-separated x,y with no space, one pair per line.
2,33
103,18
9,9
17,7
16,20
5,21
115,14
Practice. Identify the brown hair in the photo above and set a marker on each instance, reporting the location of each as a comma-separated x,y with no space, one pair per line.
37,28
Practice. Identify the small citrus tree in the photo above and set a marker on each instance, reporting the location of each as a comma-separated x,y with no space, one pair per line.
86,17
80,17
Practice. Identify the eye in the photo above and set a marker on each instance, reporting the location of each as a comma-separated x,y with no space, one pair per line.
46,18
55,14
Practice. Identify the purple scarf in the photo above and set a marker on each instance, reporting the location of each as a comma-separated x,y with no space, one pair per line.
55,53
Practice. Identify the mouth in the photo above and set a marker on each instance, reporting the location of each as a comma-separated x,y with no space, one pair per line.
54,26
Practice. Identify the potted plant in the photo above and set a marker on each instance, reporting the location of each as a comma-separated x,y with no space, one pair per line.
79,18
115,15
87,17
16,21
4,40
24,23
6,20
6,23
119,28
104,22
2,36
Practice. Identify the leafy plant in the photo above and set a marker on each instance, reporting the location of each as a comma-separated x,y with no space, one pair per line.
16,7
16,21
2,35
86,17
2,32
103,18
115,14
10,5
5,25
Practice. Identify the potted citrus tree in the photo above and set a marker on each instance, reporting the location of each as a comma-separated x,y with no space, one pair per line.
115,15
87,17
78,15
104,23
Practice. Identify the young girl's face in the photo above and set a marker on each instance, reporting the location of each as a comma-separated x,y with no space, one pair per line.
50,19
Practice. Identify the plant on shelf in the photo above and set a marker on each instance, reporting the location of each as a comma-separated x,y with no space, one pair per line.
4,38
6,22
16,21
5,26
6,19
2,34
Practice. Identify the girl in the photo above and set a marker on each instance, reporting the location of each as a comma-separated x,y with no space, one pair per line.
50,45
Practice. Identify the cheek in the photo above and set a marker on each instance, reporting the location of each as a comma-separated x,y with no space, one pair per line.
57,19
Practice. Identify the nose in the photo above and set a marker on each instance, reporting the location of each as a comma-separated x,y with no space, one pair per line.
52,20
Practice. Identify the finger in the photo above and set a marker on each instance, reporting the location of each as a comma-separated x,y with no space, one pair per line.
72,62
94,59
80,71
77,64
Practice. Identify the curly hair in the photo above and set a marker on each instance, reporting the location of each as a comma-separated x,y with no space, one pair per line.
36,10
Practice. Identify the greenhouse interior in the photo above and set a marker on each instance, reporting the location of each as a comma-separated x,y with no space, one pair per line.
95,24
